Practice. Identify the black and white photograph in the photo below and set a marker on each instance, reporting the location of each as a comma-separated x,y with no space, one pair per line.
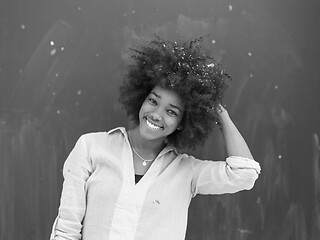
159,120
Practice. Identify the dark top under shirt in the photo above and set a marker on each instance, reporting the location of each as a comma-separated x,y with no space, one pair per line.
138,177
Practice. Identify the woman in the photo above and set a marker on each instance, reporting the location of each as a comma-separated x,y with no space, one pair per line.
133,184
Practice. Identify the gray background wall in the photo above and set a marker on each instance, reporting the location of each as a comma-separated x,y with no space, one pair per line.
60,68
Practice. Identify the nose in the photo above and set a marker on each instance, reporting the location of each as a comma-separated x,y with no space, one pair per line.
155,116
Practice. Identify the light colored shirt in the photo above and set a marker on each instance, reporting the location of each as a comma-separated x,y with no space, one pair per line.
100,200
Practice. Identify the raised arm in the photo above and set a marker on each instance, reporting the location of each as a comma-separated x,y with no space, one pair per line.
235,143
238,172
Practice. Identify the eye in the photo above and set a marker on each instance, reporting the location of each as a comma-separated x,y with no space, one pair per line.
152,101
171,112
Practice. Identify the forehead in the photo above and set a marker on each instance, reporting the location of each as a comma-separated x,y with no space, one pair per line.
168,95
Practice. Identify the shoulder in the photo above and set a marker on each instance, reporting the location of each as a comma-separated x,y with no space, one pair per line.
100,137
185,158
195,163
92,136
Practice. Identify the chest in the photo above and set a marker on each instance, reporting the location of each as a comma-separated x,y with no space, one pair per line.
116,181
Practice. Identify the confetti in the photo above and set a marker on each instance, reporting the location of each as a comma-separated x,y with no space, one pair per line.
79,92
57,74
184,61
53,52
62,48
280,156
249,54
51,43
230,7
133,11
251,75
23,26
276,87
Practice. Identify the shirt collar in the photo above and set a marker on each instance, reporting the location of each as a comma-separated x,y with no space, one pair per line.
122,129
165,150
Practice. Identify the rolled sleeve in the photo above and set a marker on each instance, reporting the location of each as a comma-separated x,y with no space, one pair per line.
76,171
219,177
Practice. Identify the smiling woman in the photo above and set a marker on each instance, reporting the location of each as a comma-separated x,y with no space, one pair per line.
134,184
187,69
160,114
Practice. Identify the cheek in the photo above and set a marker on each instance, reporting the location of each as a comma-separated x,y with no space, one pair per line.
173,122
143,108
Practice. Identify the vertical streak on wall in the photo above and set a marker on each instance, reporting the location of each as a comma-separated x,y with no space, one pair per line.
316,177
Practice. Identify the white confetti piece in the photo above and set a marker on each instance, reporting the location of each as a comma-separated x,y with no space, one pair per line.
53,52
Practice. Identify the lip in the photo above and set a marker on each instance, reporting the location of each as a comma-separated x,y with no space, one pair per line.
147,119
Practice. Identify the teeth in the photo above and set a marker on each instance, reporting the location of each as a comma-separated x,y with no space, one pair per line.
152,125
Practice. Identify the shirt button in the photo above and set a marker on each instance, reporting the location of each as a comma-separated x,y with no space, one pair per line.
156,201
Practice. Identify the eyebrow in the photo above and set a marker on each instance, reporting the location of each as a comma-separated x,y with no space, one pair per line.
174,106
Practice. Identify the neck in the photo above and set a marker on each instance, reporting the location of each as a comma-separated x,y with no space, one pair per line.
144,146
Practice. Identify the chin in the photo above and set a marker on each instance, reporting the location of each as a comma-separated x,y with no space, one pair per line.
150,134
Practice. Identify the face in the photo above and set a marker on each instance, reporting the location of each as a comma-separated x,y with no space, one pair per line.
160,114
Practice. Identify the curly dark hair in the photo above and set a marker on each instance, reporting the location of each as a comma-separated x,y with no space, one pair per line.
189,70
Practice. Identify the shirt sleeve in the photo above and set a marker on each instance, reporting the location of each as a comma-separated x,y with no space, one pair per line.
219,177
76,170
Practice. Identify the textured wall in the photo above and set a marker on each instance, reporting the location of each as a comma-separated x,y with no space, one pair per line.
60,67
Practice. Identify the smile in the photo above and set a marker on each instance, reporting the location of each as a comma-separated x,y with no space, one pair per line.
151,125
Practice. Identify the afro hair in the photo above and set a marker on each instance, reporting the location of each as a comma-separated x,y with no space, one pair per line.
189,70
